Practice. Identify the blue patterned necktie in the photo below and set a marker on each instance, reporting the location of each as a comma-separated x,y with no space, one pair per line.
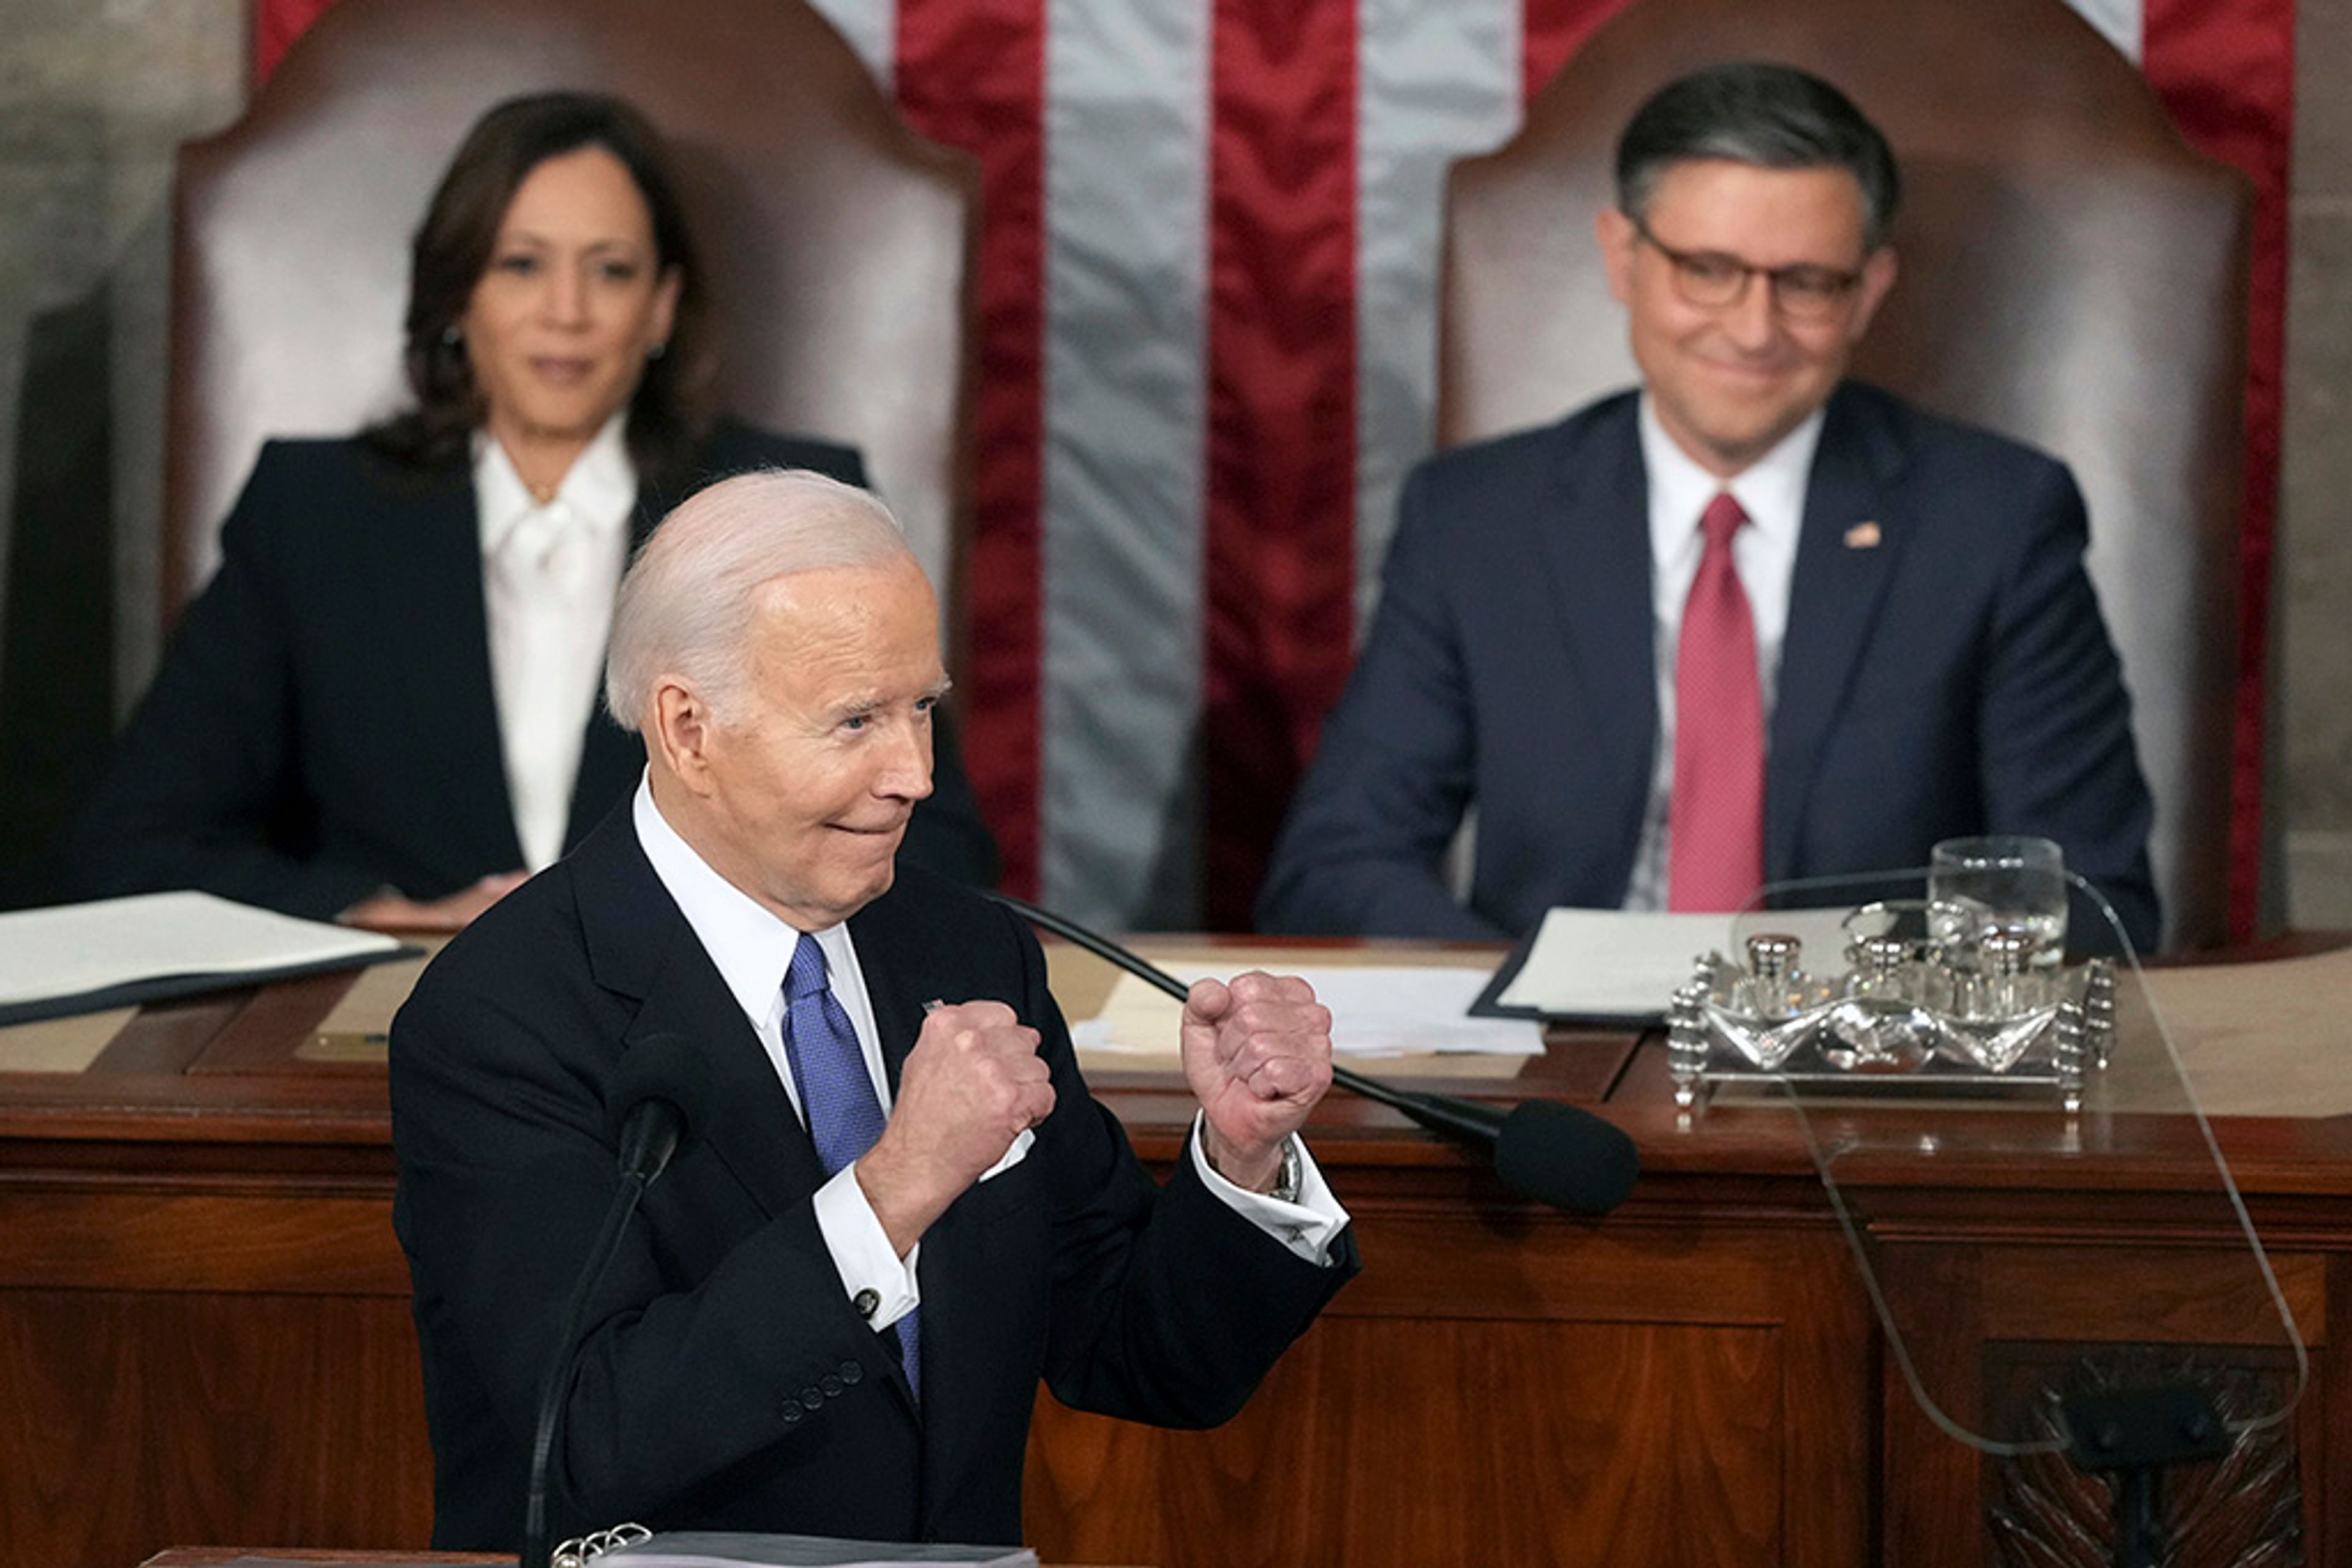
844,1114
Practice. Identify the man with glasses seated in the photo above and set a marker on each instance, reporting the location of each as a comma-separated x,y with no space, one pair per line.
1751,621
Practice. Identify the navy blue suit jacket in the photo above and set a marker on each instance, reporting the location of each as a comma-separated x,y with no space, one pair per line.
728,1382
324,725
1954,678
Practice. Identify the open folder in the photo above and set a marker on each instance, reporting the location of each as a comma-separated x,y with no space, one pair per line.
1622,967
117,953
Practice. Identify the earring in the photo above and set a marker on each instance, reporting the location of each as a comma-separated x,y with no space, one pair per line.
656,351
452,336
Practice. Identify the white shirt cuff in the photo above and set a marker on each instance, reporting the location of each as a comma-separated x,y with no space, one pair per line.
1307,1227
861,1250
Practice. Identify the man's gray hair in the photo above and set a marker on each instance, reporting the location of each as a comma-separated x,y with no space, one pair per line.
686,603
1763,114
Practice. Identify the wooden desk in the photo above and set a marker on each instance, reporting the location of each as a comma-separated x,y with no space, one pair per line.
204,1331
213,1556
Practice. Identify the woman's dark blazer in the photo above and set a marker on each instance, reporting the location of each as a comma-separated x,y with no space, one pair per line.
323,725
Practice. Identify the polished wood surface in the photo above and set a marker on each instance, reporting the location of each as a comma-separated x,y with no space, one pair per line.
203,1330
213,1556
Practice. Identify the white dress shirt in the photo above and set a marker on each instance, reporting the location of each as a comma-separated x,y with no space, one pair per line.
549,576
1772,492
751,949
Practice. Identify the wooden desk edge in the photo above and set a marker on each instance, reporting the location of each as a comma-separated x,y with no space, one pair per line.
209,1556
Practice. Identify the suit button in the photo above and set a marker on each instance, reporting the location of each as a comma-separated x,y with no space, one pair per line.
851,1371
867,1302
793,1414
812,1398
830,1384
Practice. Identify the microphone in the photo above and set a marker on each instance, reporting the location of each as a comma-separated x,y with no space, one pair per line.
656,1099
1541,1149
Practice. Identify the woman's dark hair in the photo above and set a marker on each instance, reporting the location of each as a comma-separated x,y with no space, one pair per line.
669,413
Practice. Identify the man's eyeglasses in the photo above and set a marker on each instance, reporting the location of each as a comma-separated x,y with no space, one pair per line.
1711,279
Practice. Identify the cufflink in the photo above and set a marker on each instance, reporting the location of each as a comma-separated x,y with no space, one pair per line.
868,1301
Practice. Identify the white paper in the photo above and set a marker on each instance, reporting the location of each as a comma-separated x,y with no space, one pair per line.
75,949
1615,963
1376,1010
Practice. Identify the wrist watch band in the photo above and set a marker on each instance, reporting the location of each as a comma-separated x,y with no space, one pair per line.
1285,1185
1286,1180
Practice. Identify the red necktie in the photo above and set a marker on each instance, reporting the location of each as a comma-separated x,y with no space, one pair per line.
1714,827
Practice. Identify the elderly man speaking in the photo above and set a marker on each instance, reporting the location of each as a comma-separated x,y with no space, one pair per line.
903,1208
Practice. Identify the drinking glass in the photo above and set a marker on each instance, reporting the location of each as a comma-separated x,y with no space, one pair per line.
2001,882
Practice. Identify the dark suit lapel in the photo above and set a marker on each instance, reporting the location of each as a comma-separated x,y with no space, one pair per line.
897,1018
898,1011
1833,600
432,555
640,946
897,967
610,757
1597,545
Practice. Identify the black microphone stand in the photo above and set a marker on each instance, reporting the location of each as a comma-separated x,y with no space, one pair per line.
2136,1434
1143,968
653,1105
559,1375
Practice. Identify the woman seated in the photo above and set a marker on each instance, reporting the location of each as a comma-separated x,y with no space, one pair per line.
384,706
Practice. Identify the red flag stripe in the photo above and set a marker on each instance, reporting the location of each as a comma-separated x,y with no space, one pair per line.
1278,573
971,73
1555,30
276,24
2227,72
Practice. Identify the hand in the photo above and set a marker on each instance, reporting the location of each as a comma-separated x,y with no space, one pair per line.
1258,1056
392,911
972,1083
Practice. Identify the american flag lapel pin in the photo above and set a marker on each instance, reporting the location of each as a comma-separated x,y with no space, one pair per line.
1862,536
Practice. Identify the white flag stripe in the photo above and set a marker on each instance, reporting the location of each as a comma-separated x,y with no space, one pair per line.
1126,94
2121,21
872,28
1434,83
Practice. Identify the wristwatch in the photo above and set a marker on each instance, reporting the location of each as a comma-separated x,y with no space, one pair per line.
1285,1185
1286,1180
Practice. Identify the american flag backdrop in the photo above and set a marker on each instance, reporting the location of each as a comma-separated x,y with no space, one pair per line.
1208,287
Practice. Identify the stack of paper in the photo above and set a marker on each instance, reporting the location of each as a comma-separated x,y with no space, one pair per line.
79,958
1612,966
1376,1010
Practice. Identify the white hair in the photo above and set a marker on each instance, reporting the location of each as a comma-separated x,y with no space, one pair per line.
685,606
